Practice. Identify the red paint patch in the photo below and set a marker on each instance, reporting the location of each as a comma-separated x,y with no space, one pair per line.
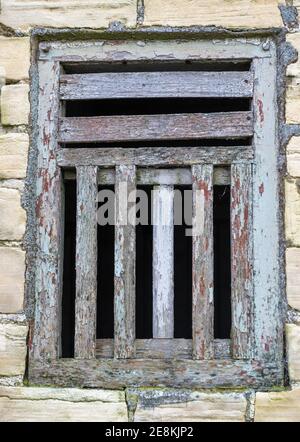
261,111
261,189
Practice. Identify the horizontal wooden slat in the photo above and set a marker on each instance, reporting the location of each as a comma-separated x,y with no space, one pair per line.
152,177
163,348
156,84
153,156
155,127
116,374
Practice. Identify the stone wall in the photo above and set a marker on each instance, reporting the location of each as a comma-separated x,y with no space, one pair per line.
21,403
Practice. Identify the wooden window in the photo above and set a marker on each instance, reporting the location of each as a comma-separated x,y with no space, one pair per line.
158,114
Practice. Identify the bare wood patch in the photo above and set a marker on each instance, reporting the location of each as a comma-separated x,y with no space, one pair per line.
86,263
241,260
203,264
155,127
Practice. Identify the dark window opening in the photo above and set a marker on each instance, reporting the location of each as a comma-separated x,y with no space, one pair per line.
182,272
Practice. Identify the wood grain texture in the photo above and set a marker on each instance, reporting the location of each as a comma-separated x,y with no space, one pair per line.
203,262
154,156
241,260
49,221
86,263
163,262
163,348
119,374
154,50
268,267
153,177
124,298
156,85
155,127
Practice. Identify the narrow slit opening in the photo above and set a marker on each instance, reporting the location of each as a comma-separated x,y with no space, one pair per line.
144,297
222,263
183,263
69,274
105,275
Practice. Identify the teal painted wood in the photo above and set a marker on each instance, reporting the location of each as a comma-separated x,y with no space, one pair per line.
49,221
268,291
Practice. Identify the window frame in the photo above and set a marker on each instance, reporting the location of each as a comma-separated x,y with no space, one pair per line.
263,366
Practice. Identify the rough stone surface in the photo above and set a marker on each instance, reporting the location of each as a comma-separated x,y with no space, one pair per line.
234,13
13,217
293,277
293,351
292,212
13,155
278,407
12,349
204,407
12,268
14,104
15,57
293,157
293,88
23,15
61,405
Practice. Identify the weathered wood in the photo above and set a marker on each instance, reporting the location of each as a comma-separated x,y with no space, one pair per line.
86,263
152,177
140,50
154,156
156,84
163,348
268,265
49,222
117,374
124,299
163,262
155,127
203,262
241,260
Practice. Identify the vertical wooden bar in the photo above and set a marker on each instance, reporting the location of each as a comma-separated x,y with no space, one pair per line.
267,214
124,303
86,263
203,262
163,262
241,260
47,277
